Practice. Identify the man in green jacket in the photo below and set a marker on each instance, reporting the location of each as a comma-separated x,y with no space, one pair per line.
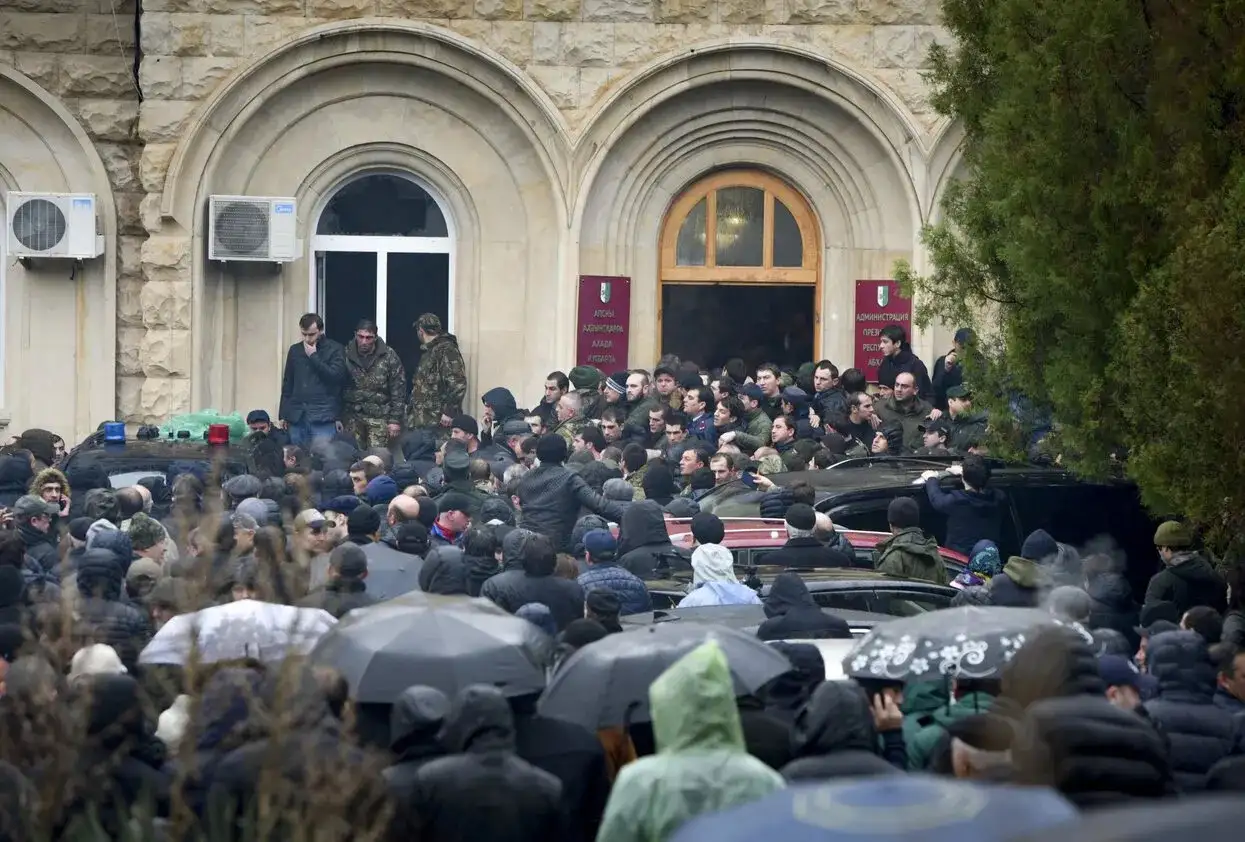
971,698
909,553
757,424
908,410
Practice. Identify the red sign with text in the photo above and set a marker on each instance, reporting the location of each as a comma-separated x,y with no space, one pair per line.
878,304
604,323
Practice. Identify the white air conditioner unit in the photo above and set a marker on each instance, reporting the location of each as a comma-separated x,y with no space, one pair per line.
255,228
60,225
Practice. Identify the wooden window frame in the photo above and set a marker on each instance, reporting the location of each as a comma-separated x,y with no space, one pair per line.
767,273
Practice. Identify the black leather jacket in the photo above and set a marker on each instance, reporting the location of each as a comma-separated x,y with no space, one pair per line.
550,498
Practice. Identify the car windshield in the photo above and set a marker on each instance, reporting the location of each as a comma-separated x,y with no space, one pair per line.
128,478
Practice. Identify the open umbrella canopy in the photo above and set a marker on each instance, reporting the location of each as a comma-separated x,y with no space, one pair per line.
969,642
606,683
886,809
443,642
248,628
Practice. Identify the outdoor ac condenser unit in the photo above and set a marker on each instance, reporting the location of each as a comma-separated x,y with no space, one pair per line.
51,225
254,228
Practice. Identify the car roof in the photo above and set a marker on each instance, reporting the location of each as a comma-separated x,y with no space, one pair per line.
766,533
742,617
155,454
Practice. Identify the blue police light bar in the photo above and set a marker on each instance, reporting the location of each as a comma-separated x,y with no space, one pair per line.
114,432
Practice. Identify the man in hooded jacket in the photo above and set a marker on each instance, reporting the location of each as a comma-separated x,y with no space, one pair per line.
103,615
415,726
483,790
701,765
714,581
793,615
644,546
835,737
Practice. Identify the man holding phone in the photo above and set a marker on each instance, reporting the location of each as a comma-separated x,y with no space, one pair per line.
949,369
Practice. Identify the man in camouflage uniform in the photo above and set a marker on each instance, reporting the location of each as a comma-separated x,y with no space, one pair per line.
375,400
571,421
440,382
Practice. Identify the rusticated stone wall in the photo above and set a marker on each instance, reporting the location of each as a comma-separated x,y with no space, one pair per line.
575,50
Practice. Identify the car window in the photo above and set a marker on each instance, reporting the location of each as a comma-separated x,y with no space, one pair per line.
870,515
128,478
900,603
853,600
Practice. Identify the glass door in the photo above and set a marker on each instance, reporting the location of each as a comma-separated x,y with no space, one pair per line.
348,284
416,283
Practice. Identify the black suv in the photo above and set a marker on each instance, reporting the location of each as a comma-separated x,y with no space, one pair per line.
125,463
1088,515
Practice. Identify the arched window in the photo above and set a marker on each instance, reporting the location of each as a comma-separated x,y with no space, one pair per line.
740,226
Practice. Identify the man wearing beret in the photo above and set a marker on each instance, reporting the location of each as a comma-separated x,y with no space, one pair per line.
587,382
440,381
1187,578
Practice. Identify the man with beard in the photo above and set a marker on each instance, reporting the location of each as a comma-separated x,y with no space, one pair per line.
375,399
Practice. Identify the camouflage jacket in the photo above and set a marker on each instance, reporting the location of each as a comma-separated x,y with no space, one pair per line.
591,403
570,428
439,385
377,387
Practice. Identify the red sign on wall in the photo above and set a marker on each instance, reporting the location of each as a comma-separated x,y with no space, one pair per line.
878,304
604,323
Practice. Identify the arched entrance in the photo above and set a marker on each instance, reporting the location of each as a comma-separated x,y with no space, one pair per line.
739,272
383,251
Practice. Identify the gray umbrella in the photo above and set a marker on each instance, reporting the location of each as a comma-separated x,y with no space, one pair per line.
443,642
969,642
606,683
391,573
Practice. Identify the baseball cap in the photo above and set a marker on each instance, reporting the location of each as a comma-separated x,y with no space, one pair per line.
600,542
959,391
1118,671
515,427
258,416
344,504
28,505
938,426
309,519
753,391
457,460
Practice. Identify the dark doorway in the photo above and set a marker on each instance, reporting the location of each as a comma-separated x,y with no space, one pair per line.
349,292
417,284
711,323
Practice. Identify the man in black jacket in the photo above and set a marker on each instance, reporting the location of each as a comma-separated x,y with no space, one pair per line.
1187,578
311,385
550,496
345,589
512,589
33,517
803,551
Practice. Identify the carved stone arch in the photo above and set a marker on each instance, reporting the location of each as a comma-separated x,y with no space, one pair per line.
56,317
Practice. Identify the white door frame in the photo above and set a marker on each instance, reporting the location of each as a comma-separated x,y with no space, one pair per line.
382,247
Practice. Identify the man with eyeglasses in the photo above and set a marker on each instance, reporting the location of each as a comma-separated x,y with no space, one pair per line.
375,400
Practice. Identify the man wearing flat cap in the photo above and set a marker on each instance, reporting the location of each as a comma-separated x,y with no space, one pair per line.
440,382
1187,578
968,428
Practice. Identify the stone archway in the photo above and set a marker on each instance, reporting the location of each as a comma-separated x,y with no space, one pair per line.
335,101
57,320
850,149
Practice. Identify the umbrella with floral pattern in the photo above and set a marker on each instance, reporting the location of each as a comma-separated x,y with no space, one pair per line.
968,642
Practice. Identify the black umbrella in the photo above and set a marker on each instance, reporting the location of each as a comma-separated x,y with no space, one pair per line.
606,683
967,642
391,573
444,642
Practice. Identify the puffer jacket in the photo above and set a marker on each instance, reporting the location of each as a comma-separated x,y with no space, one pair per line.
834,737
40,547
793,615
1020,585
629,588
644,546
550,497
377,386
1201,733
1113,606
102,615
1091,751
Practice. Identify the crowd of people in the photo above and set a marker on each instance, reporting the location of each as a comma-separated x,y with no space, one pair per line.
559,515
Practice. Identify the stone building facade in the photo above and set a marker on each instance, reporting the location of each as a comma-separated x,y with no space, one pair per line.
553,135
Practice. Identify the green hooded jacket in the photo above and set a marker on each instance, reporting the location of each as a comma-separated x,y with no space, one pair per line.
921,744
701,765
911,554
